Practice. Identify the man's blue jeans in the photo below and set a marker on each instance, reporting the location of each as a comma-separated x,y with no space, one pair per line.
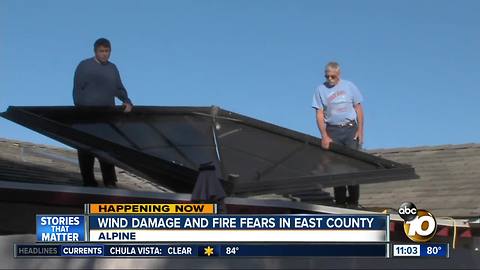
345,136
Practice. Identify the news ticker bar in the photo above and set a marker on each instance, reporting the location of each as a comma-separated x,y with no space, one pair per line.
421,250
201,250
212,228
232,250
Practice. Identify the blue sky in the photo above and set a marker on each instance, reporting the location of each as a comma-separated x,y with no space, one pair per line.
416,62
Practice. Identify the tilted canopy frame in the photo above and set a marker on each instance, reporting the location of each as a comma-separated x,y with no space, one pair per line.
168,144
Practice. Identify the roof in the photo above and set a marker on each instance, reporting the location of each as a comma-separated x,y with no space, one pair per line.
28,162
449,183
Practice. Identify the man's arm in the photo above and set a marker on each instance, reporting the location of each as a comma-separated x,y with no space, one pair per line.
122,93
359,134
326,140
79,83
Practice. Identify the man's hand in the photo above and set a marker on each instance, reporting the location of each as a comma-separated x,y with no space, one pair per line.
359,136
359,133
326,140
128,107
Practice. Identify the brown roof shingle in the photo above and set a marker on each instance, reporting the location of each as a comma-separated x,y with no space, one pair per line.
28,162
449,183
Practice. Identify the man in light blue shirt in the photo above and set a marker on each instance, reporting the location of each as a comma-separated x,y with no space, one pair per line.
339,115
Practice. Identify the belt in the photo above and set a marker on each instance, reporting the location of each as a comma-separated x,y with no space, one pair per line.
348,124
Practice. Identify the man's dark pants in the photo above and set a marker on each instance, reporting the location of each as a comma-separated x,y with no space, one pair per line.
345,136
86,161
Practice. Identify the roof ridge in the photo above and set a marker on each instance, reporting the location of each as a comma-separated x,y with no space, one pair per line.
425,148
25,143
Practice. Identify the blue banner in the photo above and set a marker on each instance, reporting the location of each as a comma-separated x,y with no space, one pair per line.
327,250
80,250
151,250
182,250
60,228
241,222
434,250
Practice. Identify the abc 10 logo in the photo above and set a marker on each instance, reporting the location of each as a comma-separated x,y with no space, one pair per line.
419,225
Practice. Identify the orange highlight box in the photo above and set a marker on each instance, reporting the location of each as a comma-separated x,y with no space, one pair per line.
154,208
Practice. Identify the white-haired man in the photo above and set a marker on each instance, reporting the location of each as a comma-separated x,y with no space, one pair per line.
339,115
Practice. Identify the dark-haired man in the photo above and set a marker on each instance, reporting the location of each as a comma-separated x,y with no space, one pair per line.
339,115
96,83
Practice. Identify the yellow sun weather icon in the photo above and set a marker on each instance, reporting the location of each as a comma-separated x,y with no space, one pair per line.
208,251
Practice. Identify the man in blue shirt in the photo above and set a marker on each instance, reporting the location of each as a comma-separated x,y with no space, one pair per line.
339,114
97,83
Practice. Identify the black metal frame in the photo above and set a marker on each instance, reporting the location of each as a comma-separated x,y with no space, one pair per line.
181,178
145,165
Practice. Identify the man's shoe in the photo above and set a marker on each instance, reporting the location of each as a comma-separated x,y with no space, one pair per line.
90,184
110,185
343,205
353,205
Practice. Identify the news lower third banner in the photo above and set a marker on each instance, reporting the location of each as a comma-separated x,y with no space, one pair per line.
192,229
